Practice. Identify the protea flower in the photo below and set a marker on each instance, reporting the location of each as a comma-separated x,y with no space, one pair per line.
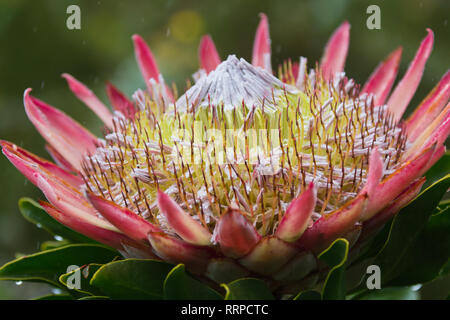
246,173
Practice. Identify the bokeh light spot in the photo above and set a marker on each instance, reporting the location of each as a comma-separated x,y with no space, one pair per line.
186,26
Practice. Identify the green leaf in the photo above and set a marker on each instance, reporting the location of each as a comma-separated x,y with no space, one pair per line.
375,244
47,266
34,213
94,298
406,227
247,289
391,293
47,245
132,279
429,253
442,206
180,286
85,274
335,257
55,297
308,295
445,269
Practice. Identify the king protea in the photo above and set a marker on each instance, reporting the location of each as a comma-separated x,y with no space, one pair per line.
247,173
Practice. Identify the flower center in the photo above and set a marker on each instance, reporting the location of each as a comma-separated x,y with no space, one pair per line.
240,137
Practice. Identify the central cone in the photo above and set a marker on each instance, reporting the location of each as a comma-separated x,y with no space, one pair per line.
235,81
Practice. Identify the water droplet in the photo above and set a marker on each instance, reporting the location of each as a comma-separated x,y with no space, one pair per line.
58,238
416,287
56,291
19,283
39,225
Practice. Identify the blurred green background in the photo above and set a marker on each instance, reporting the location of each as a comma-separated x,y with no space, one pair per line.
36,47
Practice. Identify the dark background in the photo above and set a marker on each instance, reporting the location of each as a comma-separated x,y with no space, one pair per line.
36,47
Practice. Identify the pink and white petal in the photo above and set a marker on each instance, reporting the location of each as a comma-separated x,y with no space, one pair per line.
261,47
300,74
403,93
333,59
70,201
429,109
208,55
124,219
177,251
28,164
376,170
391,186
184,224
298,215
137,250
381,81
373,224
108,237
90,99
119,101
235,235
441,133
146,60
268,256
59,159
436,133
147,63
336,224
67,136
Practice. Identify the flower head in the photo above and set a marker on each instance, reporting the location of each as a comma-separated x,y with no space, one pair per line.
246,173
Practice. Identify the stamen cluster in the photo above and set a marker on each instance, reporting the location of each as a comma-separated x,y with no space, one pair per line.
256,146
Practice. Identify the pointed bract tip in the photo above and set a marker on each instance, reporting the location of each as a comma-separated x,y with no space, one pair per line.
335,54
344,26
376,170
145,59
297,216
130,223
261,45
119,101
27,99
79,89
138,41
385,72
406,88
4,143
429,109
263,17
82,92
189,229
27,92
343,29
208,55
397,52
